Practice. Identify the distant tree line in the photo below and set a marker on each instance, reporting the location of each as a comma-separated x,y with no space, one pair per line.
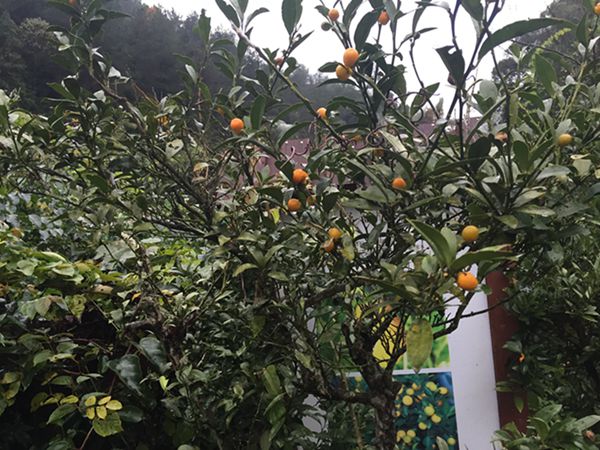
149,46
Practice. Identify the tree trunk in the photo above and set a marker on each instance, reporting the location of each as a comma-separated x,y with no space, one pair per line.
385,428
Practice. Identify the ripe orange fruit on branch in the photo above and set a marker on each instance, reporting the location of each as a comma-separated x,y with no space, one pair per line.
597,9
329,245
399,183
470,233
467,281
299,176
236,125
384,18
343,72
351,56
294,205
334,233
565,139
322,112
333,14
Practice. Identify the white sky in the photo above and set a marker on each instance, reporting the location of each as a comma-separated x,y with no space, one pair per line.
323,47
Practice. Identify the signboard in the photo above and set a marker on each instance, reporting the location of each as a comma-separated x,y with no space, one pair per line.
453,396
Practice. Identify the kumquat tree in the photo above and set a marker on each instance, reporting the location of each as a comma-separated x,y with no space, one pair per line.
176,272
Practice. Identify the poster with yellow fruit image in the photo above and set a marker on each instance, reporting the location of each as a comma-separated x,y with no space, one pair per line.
425,410
425,406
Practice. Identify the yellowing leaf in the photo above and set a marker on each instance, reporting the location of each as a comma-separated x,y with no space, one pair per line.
275,212
419,343
101,412
114,405
90,413
12,390
90,401
163,382
104,400
69,399
10,377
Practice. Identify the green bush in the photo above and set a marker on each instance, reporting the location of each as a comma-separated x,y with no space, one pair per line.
207,295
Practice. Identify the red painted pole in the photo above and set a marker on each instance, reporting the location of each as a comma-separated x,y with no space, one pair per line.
503,325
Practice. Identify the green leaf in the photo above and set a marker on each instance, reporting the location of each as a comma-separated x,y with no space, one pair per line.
586,423
27,266
291,11
519,403
279,276
553,171
436,240
254,14
64,269
291,131
60,413
399,152
109,426
454,61
60,445
192,73
155,351
229,12
258,110
521,152
510,221
534,210
548,412
582,31
129,371
478,151
545,73
131,414
450,237
271,380
515,30
488,90
347,249
265,440
528,196
241,269
474,8
275,410
364,29
419,343
495,253
203,28
350,12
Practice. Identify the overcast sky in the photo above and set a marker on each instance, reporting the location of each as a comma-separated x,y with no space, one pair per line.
323,46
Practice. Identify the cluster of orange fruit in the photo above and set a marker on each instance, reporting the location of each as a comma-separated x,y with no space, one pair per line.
383,19
351,55
465,280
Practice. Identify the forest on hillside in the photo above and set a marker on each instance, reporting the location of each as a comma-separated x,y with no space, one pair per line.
150,45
